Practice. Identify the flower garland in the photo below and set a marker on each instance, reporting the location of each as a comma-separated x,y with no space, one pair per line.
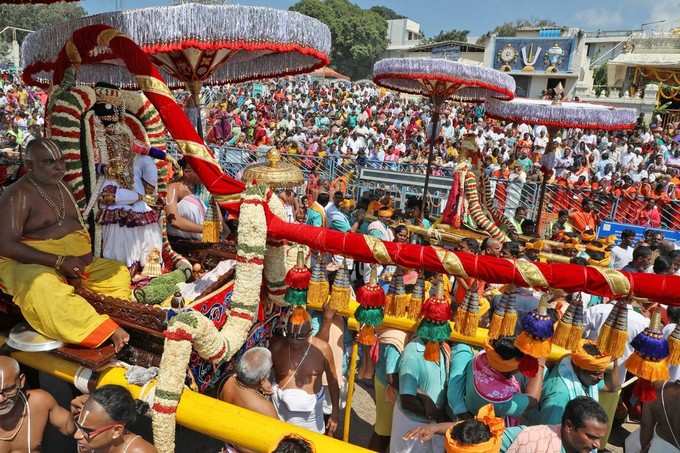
192,329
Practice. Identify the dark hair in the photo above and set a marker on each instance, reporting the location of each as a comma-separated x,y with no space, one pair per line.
629,233
505,347
662,264
578,260
399,228
673,314
471,244
118,403
513,248
592,349
293,444
471,432
641,252
322,198
563,212
581,409
674,254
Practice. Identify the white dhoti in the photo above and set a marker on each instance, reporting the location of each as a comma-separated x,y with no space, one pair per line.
295,406
401,424
130,245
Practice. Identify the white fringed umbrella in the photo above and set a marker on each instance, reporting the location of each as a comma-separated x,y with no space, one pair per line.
562,114
556,115
441,79
193,45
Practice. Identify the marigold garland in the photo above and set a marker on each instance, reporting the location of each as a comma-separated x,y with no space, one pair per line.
192,329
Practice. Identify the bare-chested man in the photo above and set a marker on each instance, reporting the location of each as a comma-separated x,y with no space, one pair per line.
101,421
45,250
26,413
185,211
660,424
250,387
300,360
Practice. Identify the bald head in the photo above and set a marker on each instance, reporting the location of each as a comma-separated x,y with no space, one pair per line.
45,161
9,369
492,247
42,147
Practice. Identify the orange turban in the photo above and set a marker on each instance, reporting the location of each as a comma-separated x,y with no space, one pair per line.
585,361
487,416
497,362
385,212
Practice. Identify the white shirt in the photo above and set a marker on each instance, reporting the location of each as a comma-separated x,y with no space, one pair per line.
621,257
595,317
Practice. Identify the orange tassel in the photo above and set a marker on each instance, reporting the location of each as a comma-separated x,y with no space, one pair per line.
674,351
390,304
575,337
367,335
603,339
317,294
432,351
509,324
495,326
299,316
561,336
616,343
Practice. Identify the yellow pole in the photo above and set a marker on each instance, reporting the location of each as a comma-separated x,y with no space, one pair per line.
409,325
350,390
253,431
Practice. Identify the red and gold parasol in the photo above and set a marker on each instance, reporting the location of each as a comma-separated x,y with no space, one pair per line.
441,79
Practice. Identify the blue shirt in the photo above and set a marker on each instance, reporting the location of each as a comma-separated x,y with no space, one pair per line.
462,395
388,362
417,375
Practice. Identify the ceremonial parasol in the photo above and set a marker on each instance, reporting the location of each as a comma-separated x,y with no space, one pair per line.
193,45
556,114
441,79
274,173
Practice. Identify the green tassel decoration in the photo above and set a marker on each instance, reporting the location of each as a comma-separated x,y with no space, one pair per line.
369,316
296,297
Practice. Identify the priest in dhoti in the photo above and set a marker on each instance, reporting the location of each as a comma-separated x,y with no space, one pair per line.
46,252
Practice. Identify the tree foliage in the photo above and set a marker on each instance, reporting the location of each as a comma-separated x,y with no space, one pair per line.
510,28
387,13
359,35
451,35
35,17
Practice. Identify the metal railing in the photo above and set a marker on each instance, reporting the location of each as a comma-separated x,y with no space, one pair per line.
506,195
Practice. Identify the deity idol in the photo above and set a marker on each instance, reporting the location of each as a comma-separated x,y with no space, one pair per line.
130,229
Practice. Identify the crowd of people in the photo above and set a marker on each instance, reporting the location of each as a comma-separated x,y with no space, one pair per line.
459,398
359,124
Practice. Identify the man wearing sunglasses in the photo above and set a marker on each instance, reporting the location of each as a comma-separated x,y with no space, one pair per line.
101,421
25,414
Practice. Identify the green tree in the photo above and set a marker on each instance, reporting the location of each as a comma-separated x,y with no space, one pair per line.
35,17
387,13
359,35
451,35
510,28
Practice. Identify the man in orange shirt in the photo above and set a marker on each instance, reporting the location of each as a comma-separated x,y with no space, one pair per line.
583,219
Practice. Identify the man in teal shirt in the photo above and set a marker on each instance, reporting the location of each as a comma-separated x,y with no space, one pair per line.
488,377
579,374
422,397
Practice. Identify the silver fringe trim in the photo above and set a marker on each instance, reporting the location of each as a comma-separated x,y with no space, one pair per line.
576,114
209,23
497,83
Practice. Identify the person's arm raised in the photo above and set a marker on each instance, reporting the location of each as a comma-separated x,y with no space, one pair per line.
333,388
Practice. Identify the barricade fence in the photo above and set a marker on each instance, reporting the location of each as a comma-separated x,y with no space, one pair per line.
506,195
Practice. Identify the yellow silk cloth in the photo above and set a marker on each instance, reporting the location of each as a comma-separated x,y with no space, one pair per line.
50,304
496,425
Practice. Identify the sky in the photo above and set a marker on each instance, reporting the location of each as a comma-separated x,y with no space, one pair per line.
436,15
